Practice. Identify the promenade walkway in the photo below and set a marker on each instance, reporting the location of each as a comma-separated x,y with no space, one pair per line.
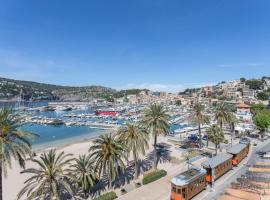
156,190
160,190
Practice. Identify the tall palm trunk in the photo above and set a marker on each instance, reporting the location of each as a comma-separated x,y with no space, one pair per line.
1,175
233,131
1,185
221,129
155,149
135,166
216,148
109,183
109,180
200,135
221,125
85,194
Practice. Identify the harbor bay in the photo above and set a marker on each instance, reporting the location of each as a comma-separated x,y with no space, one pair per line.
59,124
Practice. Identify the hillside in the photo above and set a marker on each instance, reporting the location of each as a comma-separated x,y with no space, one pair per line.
11,89
15,89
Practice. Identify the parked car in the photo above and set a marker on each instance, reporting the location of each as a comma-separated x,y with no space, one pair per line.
267,155
261,153
244,141
193,138
190,144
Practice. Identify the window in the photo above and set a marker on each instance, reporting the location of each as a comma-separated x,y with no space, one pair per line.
173,189
178,191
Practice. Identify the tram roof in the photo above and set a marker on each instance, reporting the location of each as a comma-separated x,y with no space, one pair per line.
217,160
235,149
188,176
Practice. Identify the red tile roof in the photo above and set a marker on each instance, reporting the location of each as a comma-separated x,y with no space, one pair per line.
243,105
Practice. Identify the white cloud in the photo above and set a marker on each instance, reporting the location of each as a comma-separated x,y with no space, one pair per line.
164,87
241,65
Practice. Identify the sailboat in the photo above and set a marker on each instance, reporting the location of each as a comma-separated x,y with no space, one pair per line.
20,106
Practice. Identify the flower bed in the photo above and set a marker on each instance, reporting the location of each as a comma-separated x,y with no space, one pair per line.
107,196
153,176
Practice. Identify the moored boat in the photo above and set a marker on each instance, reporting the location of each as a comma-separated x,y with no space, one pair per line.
106,112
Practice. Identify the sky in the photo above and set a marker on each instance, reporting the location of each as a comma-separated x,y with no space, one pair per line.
166,45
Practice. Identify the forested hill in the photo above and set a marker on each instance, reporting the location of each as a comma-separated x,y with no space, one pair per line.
15,89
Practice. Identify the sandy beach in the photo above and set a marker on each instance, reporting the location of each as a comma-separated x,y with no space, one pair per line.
15,181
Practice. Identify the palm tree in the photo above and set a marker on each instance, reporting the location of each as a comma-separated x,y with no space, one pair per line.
215,135
156,120
232,120
190,153
108,154
50,179
14,143
83,173
199,118
222,114
135,139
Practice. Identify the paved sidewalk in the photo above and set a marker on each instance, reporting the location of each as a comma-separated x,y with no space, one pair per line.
160,189
156,190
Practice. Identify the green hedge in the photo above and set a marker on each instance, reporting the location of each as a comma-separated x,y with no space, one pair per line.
153,176
107,196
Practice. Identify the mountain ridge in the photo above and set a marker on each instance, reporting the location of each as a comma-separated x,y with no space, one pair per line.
11,89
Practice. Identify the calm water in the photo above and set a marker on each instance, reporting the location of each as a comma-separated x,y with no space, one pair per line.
51,136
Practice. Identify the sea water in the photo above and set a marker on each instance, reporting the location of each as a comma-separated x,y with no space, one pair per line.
54,136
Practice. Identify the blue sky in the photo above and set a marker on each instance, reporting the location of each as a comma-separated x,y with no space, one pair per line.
158,44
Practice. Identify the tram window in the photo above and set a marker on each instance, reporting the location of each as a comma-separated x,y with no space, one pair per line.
173,189
178,191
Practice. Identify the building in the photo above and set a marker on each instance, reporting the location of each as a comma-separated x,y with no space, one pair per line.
207,91
243,108
248,93
132,99
232,92
243,112
266,84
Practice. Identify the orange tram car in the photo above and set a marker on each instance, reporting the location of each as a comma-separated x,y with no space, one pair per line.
191,182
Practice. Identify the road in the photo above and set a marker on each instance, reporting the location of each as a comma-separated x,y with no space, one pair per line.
226,180
160,188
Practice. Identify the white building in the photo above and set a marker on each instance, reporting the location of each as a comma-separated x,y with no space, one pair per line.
243,112
266,85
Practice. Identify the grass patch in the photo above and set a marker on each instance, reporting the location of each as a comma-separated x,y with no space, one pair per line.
153,176
107,196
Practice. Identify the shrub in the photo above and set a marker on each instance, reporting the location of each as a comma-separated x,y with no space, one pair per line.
107,196
226,141
153,176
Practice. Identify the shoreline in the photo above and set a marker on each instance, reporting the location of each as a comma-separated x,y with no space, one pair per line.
67,142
